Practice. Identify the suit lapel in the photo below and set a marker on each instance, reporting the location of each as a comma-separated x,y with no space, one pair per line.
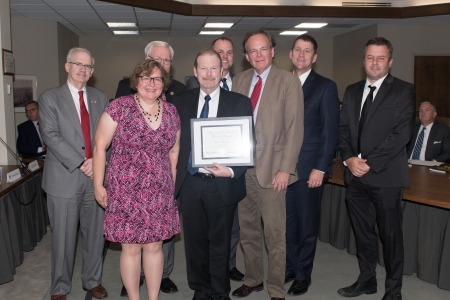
267,91
357,104
194,103
308,84
69,106
431,139
222,109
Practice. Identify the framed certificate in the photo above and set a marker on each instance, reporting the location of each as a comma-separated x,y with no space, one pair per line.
227,141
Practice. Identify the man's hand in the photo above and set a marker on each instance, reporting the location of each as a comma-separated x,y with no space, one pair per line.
315,178
219,170
101,196
357,166
280,181
86,168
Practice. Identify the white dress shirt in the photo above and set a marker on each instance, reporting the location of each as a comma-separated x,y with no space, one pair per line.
76,98
304,76
212,113
367,90
255,79
426,134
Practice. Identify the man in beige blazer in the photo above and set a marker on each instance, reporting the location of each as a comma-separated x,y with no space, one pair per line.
277,102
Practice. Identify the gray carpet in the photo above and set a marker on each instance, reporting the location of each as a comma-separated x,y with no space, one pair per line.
333,269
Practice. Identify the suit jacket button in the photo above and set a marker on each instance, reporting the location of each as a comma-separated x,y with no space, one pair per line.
83,148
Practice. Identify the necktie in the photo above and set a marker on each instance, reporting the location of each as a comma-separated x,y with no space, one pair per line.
419,143
39,132
364,113
85,126
256,92
224,84
203,114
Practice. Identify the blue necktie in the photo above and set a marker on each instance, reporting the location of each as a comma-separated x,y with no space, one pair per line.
419,143
224,84
204,114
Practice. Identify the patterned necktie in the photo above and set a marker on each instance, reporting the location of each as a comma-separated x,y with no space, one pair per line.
85,126
364,113
256,92
224,84
419,143
204,114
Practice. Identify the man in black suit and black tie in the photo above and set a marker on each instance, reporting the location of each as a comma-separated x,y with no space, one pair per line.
29,140
303,198
208,196
225,47
430,140
163,53
377,118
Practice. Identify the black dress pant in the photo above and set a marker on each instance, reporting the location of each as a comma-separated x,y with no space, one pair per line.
302,226
368,206
207,223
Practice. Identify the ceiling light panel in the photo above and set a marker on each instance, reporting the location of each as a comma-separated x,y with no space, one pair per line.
121,25
293,32
218,25
211,32
125,32
311,25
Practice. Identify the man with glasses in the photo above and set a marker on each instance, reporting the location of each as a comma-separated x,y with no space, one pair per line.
68,119
161,52
29,140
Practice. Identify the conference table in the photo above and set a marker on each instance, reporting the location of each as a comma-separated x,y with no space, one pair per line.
23,219
426,222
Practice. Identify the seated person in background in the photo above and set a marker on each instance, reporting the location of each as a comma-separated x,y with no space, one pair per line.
430,140
29,141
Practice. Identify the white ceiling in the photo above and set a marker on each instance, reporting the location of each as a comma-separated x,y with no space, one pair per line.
89,17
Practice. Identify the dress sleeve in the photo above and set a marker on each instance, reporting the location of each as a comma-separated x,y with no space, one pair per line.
116,108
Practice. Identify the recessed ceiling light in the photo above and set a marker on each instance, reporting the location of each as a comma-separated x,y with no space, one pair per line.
121,24
292,32
218,25
212,32
125,32
311,25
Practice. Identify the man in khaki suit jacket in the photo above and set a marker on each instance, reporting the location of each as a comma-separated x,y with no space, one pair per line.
277,102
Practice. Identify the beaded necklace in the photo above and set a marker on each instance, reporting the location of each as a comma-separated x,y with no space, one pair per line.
146,114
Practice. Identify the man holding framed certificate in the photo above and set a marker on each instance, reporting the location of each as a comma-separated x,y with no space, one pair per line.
209,195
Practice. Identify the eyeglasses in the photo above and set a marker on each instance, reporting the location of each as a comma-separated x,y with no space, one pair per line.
80,65
155,80
163,61
30,110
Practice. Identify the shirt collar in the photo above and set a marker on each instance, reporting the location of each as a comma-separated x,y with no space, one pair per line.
304,76
376,83
264,74
212,95
74,89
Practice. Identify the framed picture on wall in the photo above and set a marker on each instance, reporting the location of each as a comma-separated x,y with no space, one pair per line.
24,91
8,62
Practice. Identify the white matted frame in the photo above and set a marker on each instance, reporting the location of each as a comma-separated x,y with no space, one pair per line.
24,91
227,141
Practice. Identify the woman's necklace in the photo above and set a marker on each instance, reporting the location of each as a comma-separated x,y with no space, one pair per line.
146,114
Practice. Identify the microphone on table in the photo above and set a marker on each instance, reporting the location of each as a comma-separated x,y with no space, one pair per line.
22,164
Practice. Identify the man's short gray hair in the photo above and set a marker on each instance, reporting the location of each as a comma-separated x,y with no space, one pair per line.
150,46
73,50
428,102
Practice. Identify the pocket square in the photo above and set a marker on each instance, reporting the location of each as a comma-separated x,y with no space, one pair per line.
436,142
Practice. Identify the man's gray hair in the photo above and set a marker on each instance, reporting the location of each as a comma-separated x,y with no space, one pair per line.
73,50
428,102
150,46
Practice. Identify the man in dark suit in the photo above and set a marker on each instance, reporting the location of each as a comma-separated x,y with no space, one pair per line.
430,140
303,198
377,117
163,53
225,47
208,196
29,141
68,119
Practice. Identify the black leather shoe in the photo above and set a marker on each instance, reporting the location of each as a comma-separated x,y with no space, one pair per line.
236,275
200,298
223,297
167,286
288,278
356,289
392,296
124,292
299,287
245,290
